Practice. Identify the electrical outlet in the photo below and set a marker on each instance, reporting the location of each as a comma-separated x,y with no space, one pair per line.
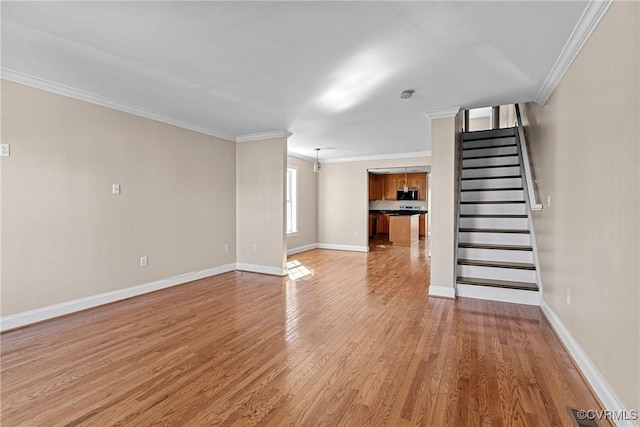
255,248
226,247
355,234
115,189
144,261
568,295
5,150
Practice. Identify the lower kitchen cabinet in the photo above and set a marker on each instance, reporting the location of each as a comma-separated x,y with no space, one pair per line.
382,226
372,225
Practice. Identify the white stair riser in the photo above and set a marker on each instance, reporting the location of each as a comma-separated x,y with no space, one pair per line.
490,161
495,255
497,273
479,173
479,196
493,151
494,209
488,142
517,296
495,238
506,223
492,183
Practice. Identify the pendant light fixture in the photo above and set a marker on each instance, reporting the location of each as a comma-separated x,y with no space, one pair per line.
316,165
406,188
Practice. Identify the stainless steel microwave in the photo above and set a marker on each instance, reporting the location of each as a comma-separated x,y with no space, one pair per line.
410,194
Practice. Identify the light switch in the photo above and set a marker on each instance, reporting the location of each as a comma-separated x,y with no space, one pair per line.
116,188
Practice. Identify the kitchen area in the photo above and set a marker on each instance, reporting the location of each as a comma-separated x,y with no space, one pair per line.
399,205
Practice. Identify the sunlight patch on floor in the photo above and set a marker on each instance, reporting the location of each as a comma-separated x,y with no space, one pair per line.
297,270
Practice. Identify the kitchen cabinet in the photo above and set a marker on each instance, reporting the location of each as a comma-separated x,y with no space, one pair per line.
422,229
422,188
390,187
372,225
403,230
375,187
419,181
382,225
385,187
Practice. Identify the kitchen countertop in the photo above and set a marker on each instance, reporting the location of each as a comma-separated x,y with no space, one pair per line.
398,212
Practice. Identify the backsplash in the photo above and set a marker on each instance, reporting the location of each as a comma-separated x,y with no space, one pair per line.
391,205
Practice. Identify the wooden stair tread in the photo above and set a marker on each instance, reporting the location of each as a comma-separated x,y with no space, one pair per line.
497,264
490,202
494,230
492,216
489,146
491,156
494,189
489,134
508,284
491,177
491,167
495,246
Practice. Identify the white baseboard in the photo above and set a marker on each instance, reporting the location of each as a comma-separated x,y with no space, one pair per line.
514,296
441,291
352,248
262,269
299,249
595,379
56,310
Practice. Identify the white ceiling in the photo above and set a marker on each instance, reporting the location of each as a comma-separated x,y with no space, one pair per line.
330,72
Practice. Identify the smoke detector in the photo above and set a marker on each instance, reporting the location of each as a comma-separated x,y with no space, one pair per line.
406,94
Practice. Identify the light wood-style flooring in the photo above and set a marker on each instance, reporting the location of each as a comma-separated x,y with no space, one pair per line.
357,341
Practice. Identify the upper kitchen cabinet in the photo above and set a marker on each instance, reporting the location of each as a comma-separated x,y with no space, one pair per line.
375,187
390,187
384,186
419,181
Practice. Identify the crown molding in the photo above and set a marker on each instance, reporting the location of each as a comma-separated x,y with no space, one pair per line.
593,13
443,113
38,83
380,157
263,135
301,156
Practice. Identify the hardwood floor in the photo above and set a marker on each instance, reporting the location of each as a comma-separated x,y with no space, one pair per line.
355,342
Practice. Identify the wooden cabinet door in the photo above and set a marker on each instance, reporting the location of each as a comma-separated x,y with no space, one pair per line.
421,226
371,222
413,181
390,188
380,224
422,187
372,190
375,187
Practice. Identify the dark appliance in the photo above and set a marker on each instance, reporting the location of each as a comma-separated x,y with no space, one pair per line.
410,194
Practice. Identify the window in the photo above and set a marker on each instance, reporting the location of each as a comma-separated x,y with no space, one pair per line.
292,200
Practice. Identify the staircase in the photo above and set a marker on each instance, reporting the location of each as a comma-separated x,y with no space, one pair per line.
495,255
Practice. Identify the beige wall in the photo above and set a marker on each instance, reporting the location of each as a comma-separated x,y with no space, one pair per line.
584,149
66,236
445,137
479,123
260,204
507,116
343,200
307,205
